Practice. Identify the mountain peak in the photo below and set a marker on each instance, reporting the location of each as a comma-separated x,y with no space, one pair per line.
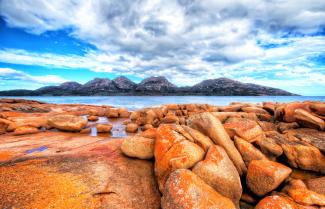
156,84
124,83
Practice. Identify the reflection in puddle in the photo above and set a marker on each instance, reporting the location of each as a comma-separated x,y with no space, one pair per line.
118,130
93,131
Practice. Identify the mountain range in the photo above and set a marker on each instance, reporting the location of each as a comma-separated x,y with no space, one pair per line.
158,85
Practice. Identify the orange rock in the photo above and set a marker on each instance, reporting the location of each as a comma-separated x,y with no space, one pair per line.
123,112
169,119
276,202
317,185
67,122
244,128
134,115
254,109
131,128
264,176
222,116
212,127
218,171
307,197
290,108
267,126
283,127
199,138
25,130
146,127
302,155
308,119
104,128
4,125
318,108
92,118
138,147
185,190
173,151
113,113
248,151
150,133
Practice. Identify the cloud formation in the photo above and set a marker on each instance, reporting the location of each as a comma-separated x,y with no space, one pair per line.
8,74
260,41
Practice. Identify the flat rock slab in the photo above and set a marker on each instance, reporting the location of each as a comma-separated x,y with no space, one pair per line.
65,170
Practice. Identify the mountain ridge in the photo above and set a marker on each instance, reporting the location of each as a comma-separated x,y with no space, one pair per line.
155,85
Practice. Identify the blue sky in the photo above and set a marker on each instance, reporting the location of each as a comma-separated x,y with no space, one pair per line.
274,43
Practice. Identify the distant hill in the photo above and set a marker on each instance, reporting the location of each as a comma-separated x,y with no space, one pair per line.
150,86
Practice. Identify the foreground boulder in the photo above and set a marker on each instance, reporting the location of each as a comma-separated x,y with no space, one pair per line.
218,171
185,190
67,122
173,151
264,176
139,147
212,127
88,172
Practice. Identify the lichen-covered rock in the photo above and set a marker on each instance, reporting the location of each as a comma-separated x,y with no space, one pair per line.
244,128
218,171
212,127
277,202
173,151
199,138
139,147
67,122
248,151
264,176
185,190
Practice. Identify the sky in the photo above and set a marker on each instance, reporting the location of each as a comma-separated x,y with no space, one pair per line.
277,43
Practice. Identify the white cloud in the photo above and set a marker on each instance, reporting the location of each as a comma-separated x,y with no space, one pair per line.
11,74
184,40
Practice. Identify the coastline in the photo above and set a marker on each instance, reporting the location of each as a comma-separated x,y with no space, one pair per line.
92,156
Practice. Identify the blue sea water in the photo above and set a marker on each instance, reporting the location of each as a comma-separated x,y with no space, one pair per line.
137,102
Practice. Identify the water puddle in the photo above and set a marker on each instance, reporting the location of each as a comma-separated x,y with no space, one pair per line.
39,149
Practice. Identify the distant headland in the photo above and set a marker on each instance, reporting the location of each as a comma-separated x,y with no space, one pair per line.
158,85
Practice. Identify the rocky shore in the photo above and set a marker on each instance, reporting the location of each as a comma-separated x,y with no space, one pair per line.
176,156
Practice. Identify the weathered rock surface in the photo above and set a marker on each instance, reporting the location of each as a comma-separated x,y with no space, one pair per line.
264,176
73,172
218,171
67,122
173,151
185,190
212,127
139,147
248,151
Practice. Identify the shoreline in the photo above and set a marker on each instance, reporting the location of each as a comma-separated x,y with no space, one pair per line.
92,156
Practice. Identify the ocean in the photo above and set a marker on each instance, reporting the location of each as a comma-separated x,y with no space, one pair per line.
137,102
